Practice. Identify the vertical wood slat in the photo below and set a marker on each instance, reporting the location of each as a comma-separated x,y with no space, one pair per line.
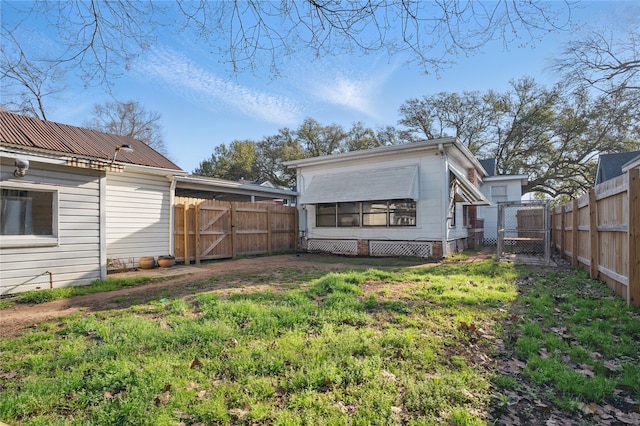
269,239
234,235
196,226
186,233
563,227
634,237
574,234
593,235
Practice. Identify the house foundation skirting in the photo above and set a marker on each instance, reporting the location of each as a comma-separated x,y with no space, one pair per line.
378,248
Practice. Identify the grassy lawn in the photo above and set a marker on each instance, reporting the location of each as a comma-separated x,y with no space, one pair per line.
461,344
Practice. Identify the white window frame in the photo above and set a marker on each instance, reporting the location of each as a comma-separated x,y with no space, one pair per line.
17,241
497,197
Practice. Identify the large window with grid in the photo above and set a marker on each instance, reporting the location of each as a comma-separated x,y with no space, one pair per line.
366,213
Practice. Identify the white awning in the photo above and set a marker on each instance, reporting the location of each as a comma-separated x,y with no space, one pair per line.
380,184
467,192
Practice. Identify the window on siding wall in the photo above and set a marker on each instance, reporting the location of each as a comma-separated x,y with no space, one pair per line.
27,213
367,213
326,215
498,193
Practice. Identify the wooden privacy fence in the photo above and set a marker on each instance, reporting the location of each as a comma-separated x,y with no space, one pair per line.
210,229
600,231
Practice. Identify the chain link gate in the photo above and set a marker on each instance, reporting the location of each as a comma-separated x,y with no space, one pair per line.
524,230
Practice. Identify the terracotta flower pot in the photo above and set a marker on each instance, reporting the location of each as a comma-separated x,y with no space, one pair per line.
147,262
166,261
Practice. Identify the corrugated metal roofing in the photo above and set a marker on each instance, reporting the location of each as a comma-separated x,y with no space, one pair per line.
29,132
368,185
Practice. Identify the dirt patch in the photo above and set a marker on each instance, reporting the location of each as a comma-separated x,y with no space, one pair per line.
179,281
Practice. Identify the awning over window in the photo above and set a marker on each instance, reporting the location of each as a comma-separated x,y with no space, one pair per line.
369,185
467,192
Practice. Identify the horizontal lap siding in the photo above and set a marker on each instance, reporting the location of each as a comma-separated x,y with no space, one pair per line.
428,207
137,216
76,258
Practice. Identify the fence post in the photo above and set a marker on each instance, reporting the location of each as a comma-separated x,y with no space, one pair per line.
634,238
593,235
574,234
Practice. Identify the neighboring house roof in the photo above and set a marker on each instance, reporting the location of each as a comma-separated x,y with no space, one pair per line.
489,164
631,164
36,135
228,190
610,165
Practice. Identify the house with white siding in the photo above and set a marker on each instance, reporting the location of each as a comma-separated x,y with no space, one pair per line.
497,188
418,199
73,201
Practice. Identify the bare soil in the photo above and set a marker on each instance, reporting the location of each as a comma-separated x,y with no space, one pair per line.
178,281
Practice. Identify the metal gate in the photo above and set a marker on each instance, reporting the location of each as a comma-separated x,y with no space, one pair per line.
524,231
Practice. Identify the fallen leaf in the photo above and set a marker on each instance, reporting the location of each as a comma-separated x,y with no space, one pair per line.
108,395
468,327
162,399
238,412
589,408
389,376
10,375
611,366
201,394
195,363
192,385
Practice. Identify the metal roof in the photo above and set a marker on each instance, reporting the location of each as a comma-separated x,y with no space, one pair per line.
33,134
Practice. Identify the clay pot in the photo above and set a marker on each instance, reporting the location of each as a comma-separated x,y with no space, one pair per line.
166,261
147,262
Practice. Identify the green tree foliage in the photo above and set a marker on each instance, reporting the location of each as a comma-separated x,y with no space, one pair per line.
237,161
262,160
553,135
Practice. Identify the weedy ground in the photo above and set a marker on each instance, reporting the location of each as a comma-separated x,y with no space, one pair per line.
461,343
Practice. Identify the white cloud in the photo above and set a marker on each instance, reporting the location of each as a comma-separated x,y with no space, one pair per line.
193,81
356,89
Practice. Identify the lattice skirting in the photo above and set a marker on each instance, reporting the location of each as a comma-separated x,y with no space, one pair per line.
490,241
333,246
400,248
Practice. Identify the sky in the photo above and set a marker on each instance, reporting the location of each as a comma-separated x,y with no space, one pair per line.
202,105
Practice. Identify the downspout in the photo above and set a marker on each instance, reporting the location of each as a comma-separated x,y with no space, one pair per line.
445,202
302,212
172,201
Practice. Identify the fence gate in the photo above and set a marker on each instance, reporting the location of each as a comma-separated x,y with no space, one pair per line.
524,231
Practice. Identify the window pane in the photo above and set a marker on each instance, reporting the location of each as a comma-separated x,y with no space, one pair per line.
348,214
498,193
326,215
326,209
26,212
374,213
326,220
402,213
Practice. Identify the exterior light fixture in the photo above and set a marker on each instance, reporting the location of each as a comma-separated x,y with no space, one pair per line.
21,167
123,148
